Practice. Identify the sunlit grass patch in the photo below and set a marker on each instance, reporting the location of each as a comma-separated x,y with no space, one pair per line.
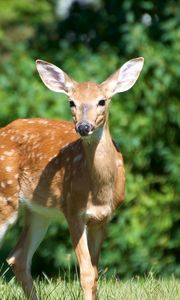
148,288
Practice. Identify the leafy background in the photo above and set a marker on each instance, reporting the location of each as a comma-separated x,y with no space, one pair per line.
90,42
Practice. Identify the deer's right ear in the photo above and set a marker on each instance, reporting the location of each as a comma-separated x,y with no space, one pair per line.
54,78
124,78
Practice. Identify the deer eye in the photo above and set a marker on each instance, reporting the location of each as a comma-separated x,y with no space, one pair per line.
72,104
101,102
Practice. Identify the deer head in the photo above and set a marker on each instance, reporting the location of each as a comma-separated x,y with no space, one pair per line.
89,101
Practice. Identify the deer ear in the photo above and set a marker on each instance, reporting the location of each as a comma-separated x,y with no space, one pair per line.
124,78
54,78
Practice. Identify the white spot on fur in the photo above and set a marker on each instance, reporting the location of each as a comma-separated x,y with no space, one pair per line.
8,169
9,153
30,122
13,138
3,185
10,182
43,122
3,134
42,157
2,157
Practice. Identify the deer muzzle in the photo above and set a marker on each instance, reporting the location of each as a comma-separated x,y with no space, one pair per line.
84,128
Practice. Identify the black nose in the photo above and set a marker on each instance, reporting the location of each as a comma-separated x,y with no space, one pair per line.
84,128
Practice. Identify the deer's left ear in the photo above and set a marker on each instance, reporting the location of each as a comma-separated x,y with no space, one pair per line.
124,78
54,78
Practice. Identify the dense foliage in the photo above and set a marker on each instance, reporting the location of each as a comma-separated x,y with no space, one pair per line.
90,43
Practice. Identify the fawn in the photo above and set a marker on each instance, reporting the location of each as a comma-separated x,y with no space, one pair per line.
48,167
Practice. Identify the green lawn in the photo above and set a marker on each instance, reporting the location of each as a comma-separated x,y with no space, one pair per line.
147,288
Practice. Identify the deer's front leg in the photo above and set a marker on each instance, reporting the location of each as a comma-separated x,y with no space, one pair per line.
95,238
88,275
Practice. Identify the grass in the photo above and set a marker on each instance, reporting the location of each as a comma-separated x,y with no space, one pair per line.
148,288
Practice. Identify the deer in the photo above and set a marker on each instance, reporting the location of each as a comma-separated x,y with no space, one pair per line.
53,167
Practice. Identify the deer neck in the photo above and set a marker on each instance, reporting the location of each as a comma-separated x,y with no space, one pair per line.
100,155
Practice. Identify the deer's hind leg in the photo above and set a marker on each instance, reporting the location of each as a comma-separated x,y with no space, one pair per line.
8,213
21,256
